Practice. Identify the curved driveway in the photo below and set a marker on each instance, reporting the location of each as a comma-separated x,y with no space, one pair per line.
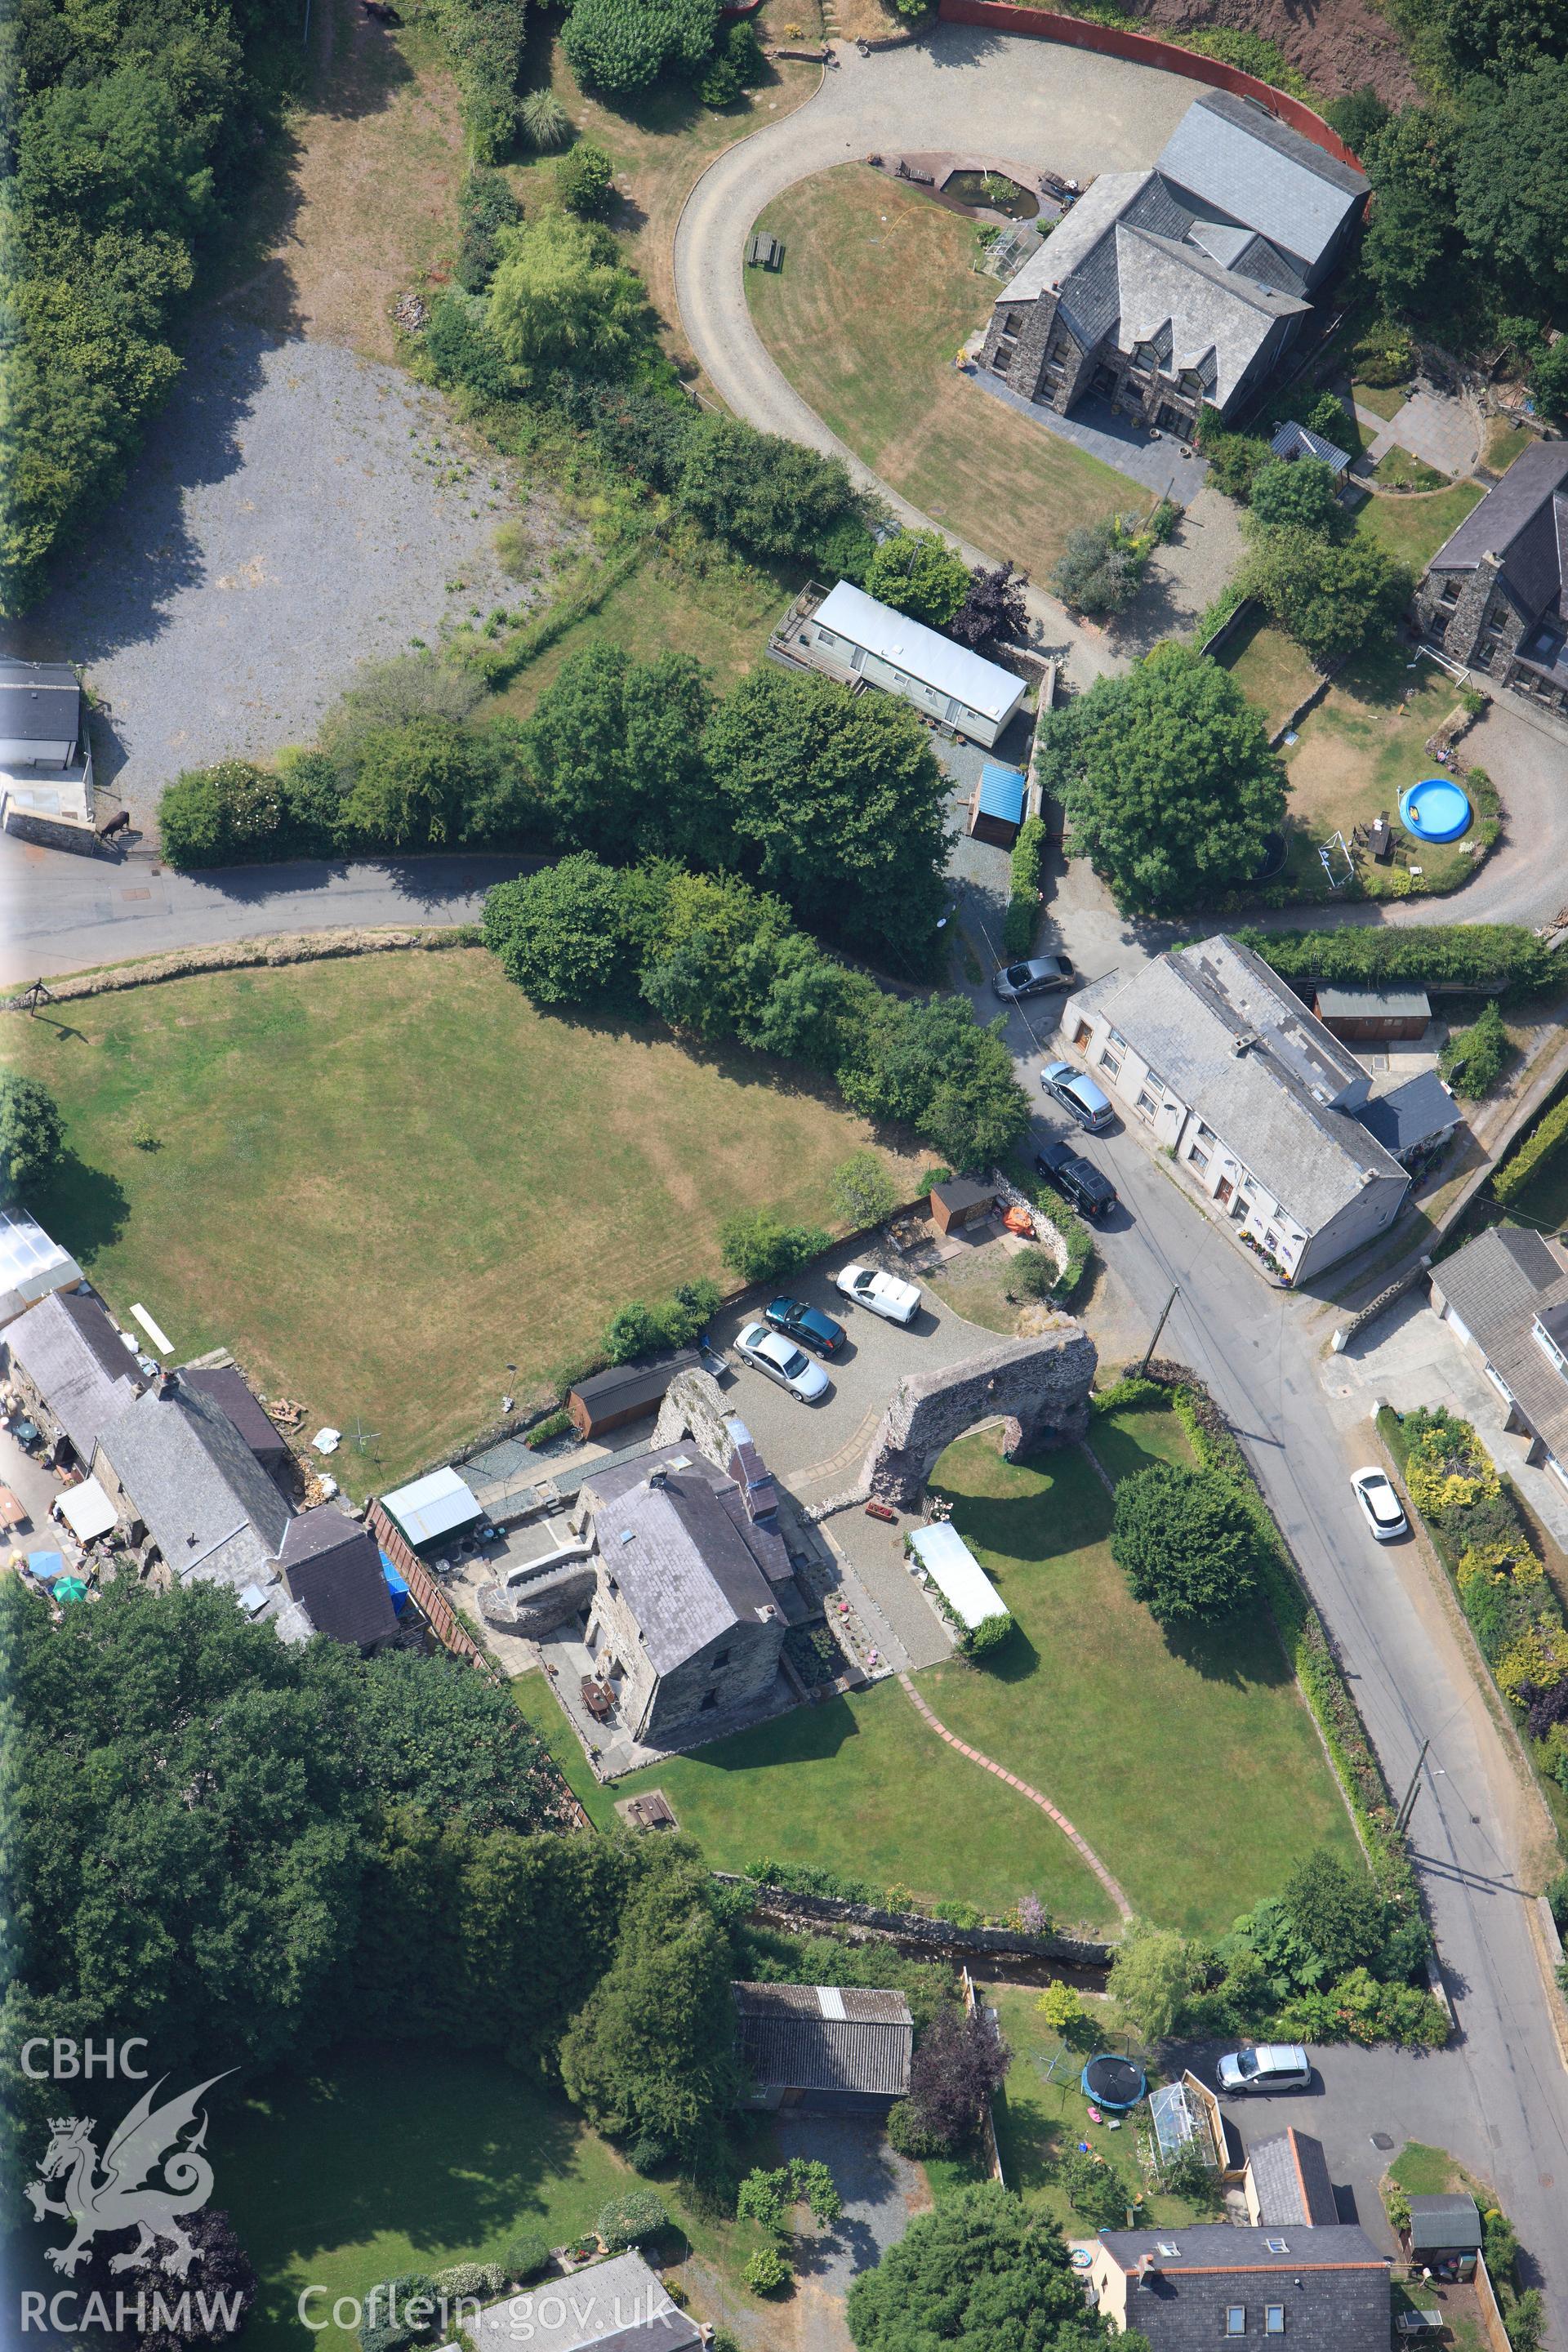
961,89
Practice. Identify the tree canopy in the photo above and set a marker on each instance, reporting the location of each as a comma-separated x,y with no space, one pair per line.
561,935
1332,599
1151,1976
617,48
931,1065
980,2273
758,491
1511,179
1170,787
560,297
614,751
1185,1541
1337,1912
1298,493
31,1136
917,573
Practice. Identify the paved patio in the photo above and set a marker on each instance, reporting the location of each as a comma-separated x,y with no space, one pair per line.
1438,428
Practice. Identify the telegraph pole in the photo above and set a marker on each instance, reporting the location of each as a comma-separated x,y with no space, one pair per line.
1159,1327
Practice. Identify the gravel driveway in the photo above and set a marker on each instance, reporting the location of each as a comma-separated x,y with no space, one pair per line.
297,511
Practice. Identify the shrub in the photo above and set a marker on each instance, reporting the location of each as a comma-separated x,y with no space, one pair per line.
908,2136
647,2152
486,206
993,606
631,2220
767,2271
1384,356
959,2061
862,1192
1329,417
617,49
1023,917
719,86
526,2255
1499,960
400,2311
632,1331
545,121
560,934
992,1633
585,180
1099,570
1474,1058
762,2198
485,41
31,1134
761,1248
466,2279
1186,1543
917,573
1093,2189
1235,460
744,52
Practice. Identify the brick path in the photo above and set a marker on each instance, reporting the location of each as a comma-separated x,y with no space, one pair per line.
987,1764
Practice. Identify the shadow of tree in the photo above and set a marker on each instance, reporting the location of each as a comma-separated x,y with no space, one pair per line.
84,1209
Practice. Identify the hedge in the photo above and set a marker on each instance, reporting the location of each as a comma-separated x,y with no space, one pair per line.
1538,1146
1023,917
1304,1638
484,39
1494,958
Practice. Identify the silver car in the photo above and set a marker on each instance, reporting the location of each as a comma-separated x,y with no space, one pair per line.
1038,977
780,1360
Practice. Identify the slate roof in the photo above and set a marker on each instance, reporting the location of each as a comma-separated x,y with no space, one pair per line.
1497,1286
331,1567
75,1360
229,1390
1411,1114
1332,2281
1235,155
1273,1104
1523,522
1207,310
208,1504
619,2306
1293,440
40,702
1221,2246
825,2038
695,1564
1290,2176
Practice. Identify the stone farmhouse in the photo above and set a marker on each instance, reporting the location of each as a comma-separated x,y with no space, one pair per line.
1495,596
685,1621
1168,290
1262,1107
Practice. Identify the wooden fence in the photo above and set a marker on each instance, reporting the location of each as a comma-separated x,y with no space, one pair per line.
444,1621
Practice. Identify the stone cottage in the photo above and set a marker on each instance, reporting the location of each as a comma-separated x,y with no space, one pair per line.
1495,596
1166,289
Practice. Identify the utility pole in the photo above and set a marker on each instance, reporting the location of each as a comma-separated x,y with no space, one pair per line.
1149,1351
1401,1819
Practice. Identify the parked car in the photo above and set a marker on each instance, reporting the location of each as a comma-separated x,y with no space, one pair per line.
1079,1179
770,1353
1078,1095
1038,977
1380,1504
807,1324
884,1294
1270,2066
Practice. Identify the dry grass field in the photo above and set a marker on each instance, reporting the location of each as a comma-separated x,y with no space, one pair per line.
381,1182
875,296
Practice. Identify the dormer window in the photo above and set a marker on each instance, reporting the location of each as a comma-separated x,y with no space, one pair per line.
1548,1346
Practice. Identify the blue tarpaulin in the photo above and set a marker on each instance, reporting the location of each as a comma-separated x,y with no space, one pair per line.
394,1585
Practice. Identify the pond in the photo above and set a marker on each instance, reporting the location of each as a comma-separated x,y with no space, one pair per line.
990,192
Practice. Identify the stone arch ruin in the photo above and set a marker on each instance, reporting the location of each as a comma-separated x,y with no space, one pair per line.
1039,1388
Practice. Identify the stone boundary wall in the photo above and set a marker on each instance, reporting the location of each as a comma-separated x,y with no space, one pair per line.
783,1904
83,841
1145,49
241,955
1231,626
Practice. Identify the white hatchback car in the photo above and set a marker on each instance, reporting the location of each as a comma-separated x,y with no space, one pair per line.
884,1294
770,1352
1380,1504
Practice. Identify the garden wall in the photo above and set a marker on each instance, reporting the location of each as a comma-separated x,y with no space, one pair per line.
937,1936
1146,49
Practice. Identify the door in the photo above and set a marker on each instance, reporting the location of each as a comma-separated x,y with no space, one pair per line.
1223,1190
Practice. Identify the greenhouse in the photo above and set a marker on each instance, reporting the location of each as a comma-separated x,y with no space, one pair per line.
1179,2124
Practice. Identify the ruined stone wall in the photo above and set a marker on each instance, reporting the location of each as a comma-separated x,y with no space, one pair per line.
1039,1387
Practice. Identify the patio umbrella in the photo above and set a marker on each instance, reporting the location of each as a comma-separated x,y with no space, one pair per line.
70,1587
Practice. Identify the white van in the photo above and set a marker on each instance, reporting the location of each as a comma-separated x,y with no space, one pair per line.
1270,2066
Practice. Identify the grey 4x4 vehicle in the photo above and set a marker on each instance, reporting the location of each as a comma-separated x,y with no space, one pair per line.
1079,1180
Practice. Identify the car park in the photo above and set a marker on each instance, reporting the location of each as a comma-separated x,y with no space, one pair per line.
1268,2066
1373,1490
1040,976
778,1359
884,1294
809,1325
1077,1179
1079,1096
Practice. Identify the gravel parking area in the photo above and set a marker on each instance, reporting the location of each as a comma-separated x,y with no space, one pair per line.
297,511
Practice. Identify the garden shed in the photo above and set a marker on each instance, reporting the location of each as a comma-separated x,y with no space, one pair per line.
1351,1010
431,1511
625,1392
827,2045
996,806
957,1574
1446,2233
960,1202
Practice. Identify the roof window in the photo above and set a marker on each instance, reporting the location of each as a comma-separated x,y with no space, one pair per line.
1277,2246
1236,2319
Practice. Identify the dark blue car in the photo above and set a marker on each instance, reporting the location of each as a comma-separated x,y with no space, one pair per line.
805,1324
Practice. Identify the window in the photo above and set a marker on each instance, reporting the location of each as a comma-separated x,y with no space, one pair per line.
1169,2247
1273,2319
1110,1063
1276,2245
1548,1346
1236,2319
1271,1239
1200,1160
1450,592
825,637
1147,1104
721,1658
709,1699
1012,322
615,1587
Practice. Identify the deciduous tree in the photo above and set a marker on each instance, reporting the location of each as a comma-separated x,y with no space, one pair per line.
31,1134
981,2271
560,299
917,573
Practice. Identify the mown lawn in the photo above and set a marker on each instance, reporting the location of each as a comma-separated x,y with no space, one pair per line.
1270,669
875,296
383,1180
722,621
861,1786
413,2157
1413,528
1188,1761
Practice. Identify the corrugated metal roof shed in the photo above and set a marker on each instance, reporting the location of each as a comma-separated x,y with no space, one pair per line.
957,1574
432,1507
1294,440
911,647
1002,793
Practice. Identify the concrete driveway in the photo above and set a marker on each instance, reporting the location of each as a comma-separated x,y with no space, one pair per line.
958,88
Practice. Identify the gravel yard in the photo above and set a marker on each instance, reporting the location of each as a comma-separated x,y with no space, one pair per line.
299,509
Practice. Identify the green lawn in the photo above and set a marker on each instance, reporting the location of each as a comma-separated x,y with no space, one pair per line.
1270,669
1411,530
1397,469
861,1785
381,1180
1384,400
722,620
404,2158
876,294
1189,1762
1505,441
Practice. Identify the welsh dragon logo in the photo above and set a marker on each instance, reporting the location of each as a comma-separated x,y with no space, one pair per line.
100,2199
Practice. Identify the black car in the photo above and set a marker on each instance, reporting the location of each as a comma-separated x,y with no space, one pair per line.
1078,1180
809,1325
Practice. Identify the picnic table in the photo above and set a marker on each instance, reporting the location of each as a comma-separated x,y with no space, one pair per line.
13,1514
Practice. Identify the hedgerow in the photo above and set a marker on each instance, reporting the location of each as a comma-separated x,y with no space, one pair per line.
1494,958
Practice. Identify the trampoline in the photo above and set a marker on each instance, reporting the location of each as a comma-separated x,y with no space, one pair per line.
1435,810
1114,2082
